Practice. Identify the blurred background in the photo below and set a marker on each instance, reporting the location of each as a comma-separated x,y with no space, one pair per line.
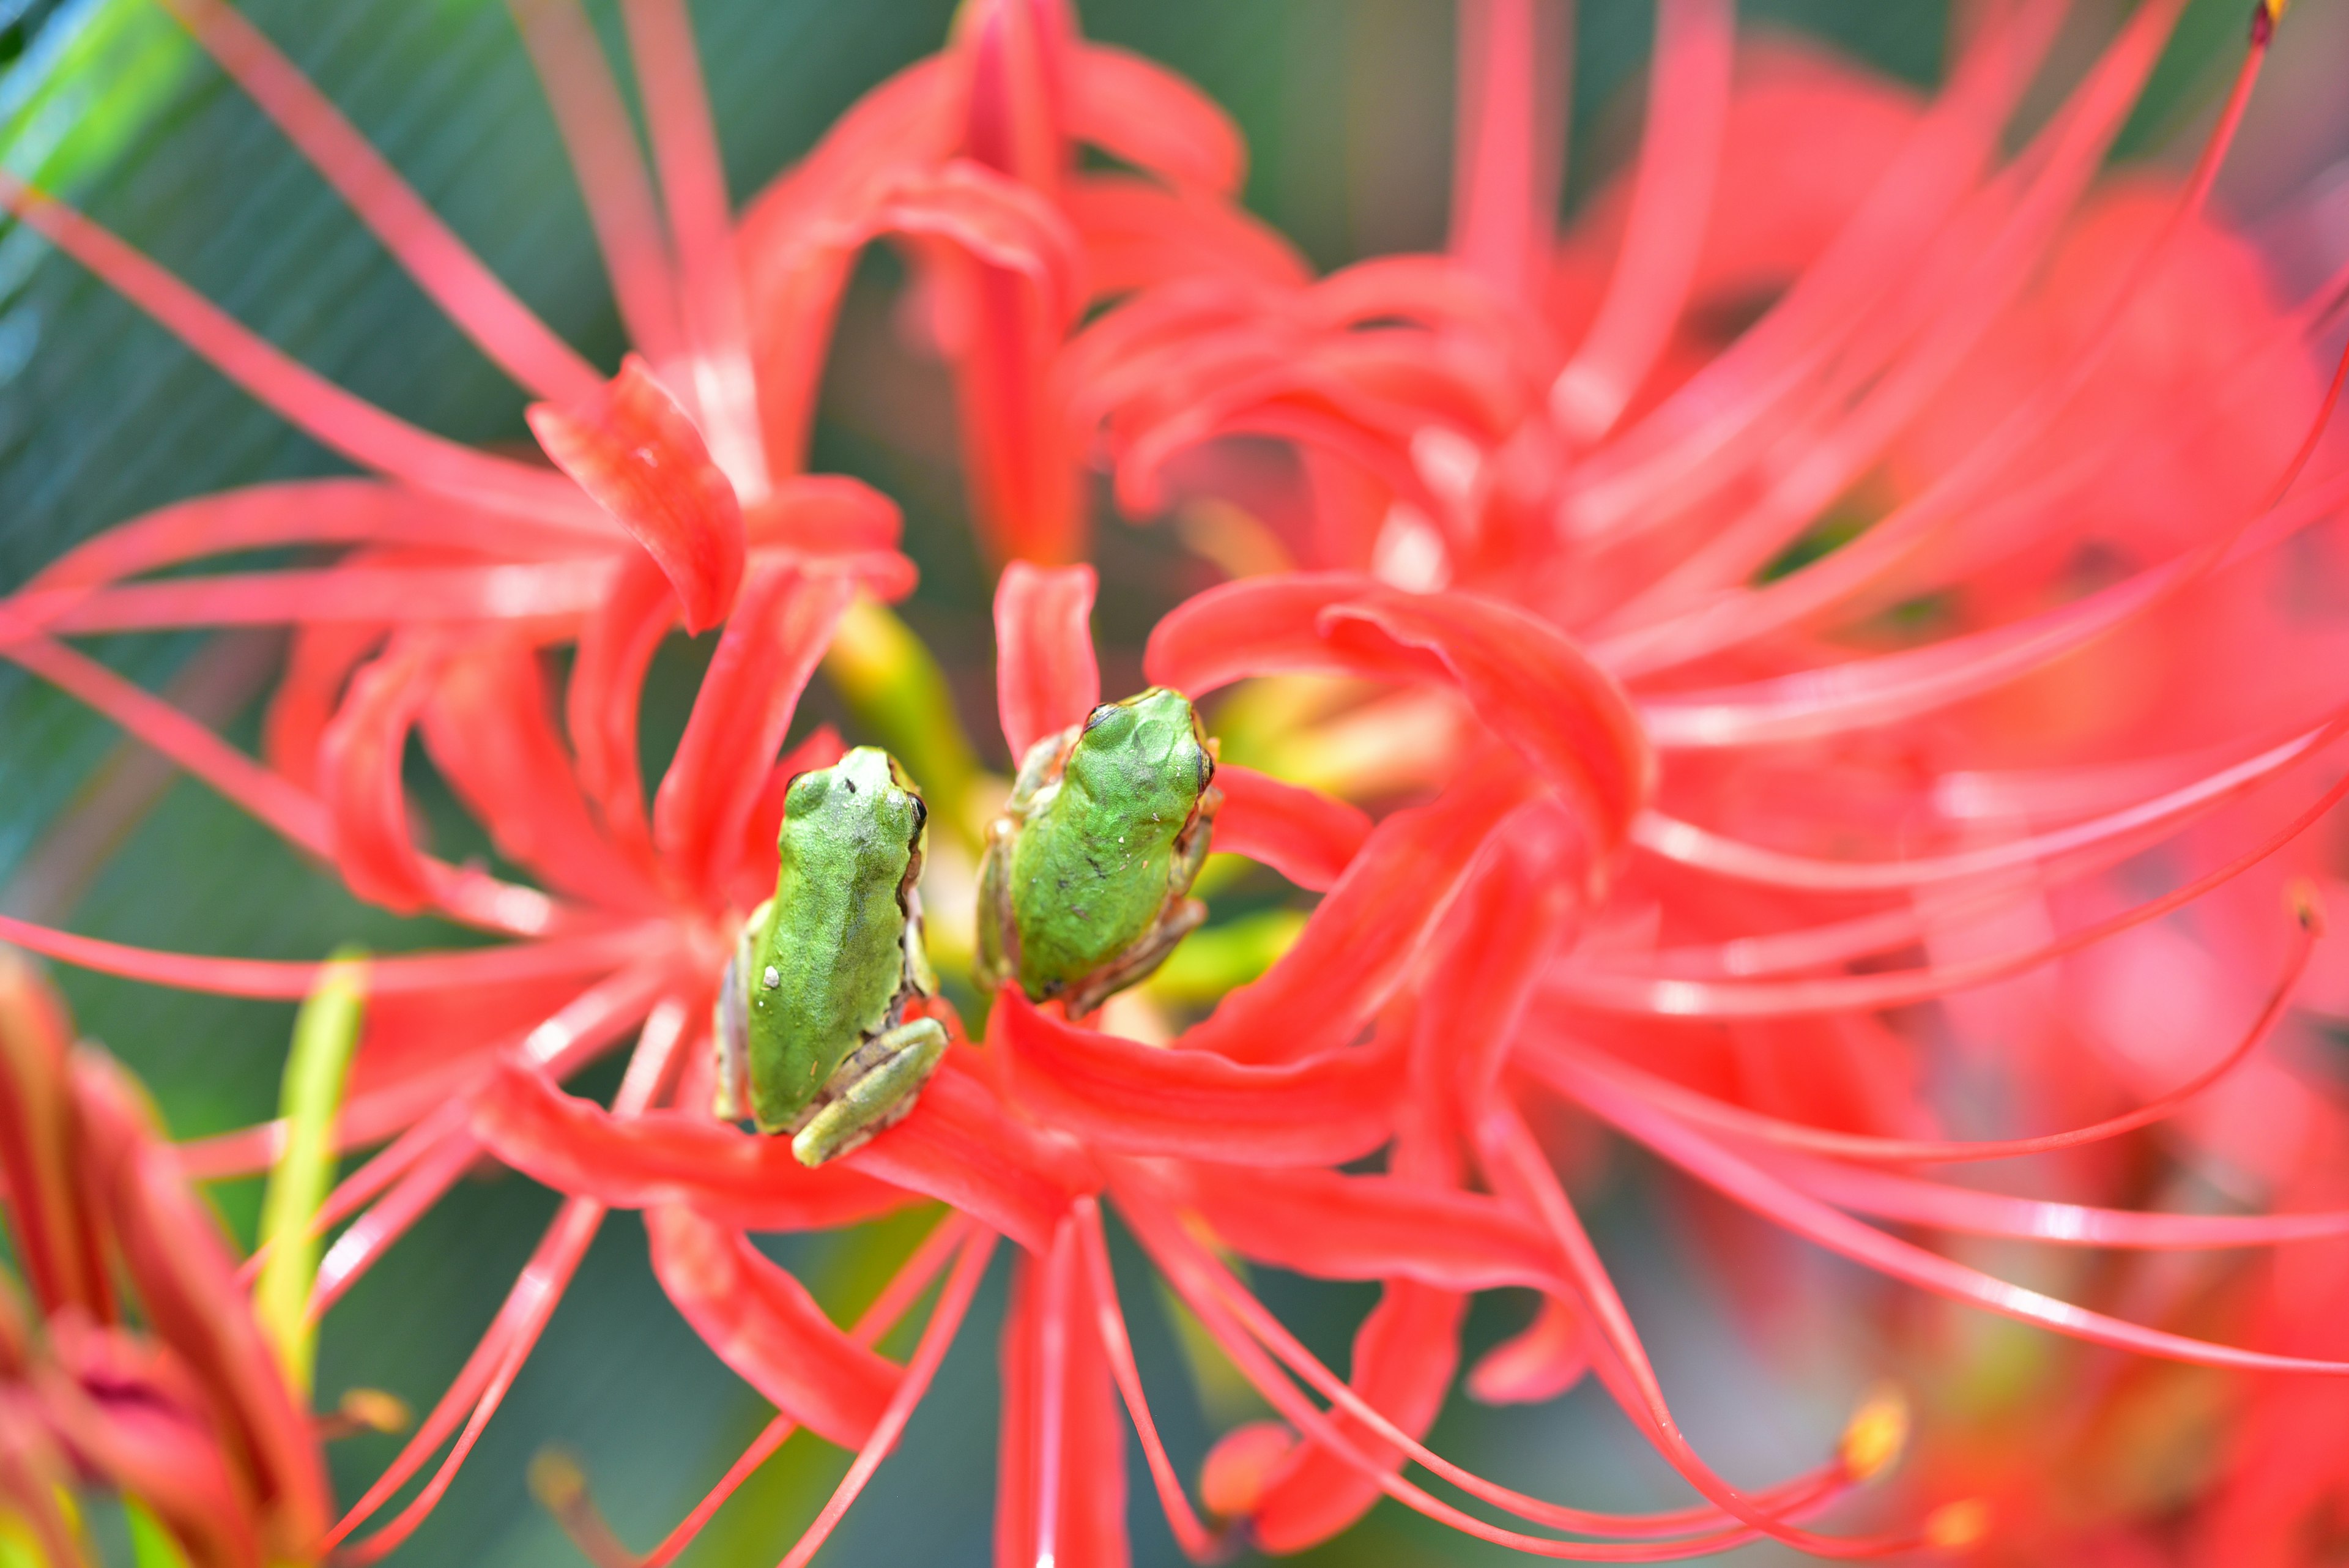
1346,107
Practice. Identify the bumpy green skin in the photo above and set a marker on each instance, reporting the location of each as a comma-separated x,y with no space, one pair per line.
1084,884
836,937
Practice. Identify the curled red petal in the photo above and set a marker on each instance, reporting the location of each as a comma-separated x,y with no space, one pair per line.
779,628
1046,678
601,704
1354,950
1404,1356
1256,626
359,777
1153,119
1306,836
1336,1227
635,450
734,1177
1535,688
763,1322
962,1145
1522,677
824,515
1541,1362
318,661
1331,1106
492,734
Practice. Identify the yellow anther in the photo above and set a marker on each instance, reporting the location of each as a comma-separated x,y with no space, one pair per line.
2307,905
1955,1526
374,1410
1876,1435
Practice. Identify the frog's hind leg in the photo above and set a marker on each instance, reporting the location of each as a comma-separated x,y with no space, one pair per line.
879,1084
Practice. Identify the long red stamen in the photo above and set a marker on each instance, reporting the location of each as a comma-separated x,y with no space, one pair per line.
953,1301
1847,992
348,424
609,168
1241,1321
1198,1542
1557,1066
479,1386
435,258
1793,1210
1509,140
1688,108
897,1298
693,183
293,814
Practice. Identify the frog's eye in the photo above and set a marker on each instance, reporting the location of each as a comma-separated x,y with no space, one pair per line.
1111,720
921,813
807,792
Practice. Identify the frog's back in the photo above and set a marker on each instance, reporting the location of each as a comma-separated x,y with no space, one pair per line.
830,961
1096,877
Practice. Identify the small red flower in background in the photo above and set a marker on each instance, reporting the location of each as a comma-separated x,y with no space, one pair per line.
142,1366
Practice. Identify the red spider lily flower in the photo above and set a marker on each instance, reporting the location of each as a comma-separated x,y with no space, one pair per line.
169,1393
1937,583
1051,1124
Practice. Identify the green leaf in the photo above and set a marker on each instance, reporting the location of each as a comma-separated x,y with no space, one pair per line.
152,1545
324,1034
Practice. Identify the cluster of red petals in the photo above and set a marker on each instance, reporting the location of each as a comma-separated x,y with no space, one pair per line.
1719,789
168,1393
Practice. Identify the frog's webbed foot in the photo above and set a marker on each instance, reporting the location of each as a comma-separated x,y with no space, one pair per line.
872,1091
1138,963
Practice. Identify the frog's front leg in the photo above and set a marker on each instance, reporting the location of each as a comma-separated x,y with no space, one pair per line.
872,1090
1137,962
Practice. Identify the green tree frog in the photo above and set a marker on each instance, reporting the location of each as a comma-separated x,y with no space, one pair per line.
811,1031
1083,889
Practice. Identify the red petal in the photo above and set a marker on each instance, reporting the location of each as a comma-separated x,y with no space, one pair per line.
601,704
824,515
1355,948
1306,836
1404,1356
178,1264
779,628
50,1227
1525,679
763,1322
359,777
318,661
1545,1360
1153,119
1045,675
735,1179
489,732
1137,234
1336,1227
960,1144
1534,688
1334,1106
637,455
1257,625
